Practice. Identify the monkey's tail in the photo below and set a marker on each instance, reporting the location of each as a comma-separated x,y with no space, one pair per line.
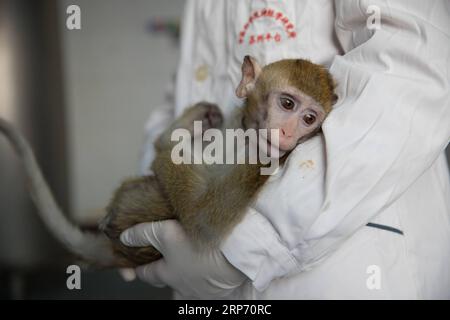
94,248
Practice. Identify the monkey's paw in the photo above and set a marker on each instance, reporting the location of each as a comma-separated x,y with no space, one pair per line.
208,113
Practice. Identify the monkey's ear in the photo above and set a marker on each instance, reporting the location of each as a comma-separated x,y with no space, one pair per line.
250,72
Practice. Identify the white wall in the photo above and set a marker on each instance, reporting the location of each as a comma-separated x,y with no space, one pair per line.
115,72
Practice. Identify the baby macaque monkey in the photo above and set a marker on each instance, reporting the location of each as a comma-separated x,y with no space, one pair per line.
293,96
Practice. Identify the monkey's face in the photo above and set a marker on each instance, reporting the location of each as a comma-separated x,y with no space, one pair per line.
292,95
295,114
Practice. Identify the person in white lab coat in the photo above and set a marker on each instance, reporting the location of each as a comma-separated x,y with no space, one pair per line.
361,211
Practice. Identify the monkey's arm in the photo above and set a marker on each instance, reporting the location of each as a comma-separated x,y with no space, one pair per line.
159,120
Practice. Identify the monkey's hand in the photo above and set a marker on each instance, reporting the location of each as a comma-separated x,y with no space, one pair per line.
208,114
192,274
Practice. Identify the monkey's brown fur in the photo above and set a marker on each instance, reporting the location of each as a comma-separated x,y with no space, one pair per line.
207,206
313,79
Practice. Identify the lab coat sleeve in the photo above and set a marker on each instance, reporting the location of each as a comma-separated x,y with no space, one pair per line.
258,251
159,119
391,123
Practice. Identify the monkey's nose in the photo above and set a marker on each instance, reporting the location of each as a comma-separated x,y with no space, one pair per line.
283,132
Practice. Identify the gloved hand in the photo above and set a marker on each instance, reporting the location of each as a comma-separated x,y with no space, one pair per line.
191,273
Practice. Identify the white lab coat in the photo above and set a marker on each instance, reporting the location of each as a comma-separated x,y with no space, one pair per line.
380,158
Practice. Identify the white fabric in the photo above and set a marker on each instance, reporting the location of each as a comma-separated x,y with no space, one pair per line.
379,160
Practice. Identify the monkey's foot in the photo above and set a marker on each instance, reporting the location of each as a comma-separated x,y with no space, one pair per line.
130,257
211,116
136,201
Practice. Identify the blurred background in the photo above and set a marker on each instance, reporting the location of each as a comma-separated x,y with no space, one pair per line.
82,98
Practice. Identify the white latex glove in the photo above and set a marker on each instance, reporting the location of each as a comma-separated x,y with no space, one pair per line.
191,273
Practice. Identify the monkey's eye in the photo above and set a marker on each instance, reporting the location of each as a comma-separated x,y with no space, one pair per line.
309,119
287,103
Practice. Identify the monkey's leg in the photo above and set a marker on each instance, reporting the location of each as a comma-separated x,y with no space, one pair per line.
135,201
